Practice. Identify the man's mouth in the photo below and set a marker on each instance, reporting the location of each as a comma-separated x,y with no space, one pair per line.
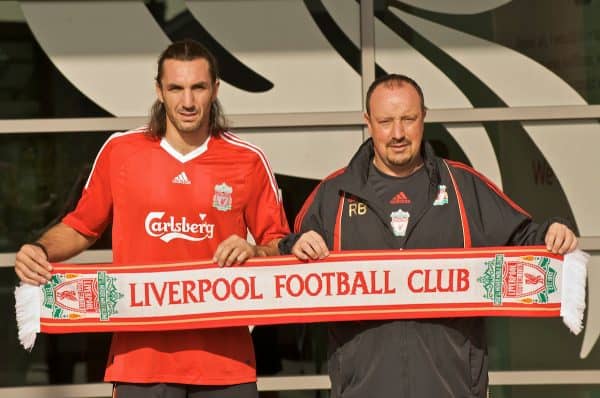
188,115
398,145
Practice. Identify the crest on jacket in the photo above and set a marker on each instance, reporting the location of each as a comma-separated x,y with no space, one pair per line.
399,222
442,196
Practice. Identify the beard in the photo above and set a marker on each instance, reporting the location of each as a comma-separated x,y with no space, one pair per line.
399,159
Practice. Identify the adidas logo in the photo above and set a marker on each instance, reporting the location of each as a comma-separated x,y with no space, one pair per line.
400,198
181,178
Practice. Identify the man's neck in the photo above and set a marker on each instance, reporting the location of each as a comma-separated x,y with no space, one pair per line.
185,143
399,171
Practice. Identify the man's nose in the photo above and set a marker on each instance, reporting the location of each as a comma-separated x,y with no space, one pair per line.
398,131
188,99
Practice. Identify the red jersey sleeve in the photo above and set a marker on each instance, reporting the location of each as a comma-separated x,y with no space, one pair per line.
264,212
94,209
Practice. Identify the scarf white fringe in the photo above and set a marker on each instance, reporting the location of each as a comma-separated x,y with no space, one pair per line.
573,290
27,305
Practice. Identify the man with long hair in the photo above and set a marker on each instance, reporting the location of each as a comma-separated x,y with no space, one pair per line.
182,188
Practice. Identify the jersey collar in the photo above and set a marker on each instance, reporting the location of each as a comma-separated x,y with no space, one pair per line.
188,156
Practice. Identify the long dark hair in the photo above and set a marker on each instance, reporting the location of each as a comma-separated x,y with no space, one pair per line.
186,50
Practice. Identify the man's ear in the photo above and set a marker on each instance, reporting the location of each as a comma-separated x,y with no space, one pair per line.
159,95
216,90
367,121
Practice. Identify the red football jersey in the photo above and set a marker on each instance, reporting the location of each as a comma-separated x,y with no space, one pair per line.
168,207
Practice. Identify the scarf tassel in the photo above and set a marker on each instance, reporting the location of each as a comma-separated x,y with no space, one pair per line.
573,290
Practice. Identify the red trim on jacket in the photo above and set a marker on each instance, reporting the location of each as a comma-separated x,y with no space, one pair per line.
310,200
490,184
337,230
461,208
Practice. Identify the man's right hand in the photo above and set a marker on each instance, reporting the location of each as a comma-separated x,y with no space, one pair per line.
310,246
32,266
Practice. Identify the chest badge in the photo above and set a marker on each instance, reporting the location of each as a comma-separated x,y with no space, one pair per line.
222,197
442,196
399,222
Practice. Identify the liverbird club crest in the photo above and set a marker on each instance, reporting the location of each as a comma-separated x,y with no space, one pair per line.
528,281
442,196
399,222
78,295
222,198
73,296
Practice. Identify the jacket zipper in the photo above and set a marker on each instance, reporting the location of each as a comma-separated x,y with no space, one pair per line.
411,227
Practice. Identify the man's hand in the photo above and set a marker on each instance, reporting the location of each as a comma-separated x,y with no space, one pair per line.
32,266
310,246
560,239
234,250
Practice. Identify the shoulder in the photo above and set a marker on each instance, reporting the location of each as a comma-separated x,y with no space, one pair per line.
117,147
481,183
231,144
463,171
246,155
463,168
135,136
329,184
333,179
322,195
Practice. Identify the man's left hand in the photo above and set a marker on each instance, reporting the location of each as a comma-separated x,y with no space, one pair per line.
233,250
560,239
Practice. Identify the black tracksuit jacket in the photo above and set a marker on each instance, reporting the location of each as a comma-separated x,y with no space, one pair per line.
412,358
